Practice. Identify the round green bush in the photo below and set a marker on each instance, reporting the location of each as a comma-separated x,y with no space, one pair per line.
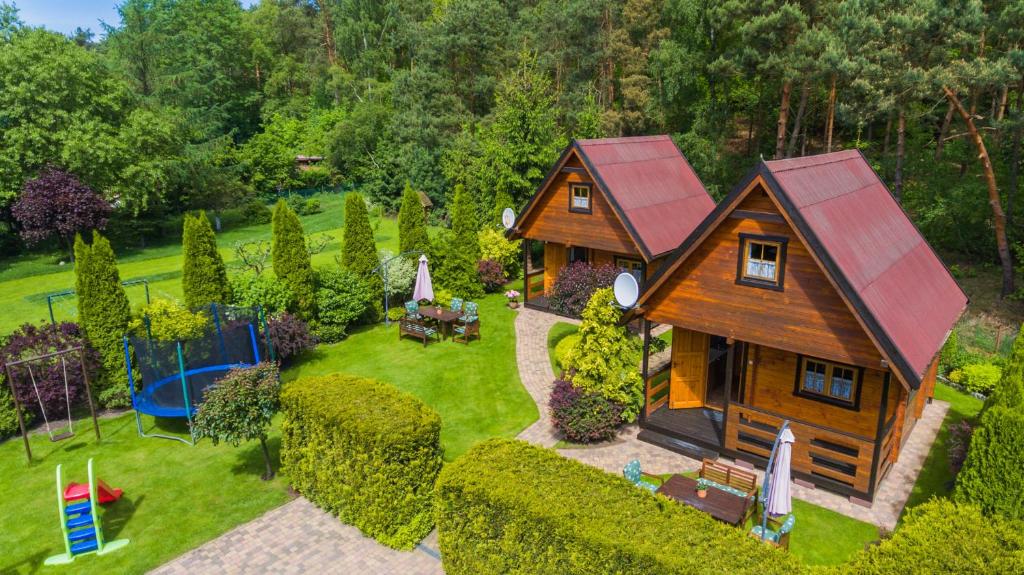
977,377
564,346
251,289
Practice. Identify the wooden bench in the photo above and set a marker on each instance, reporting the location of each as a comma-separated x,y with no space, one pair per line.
738,482
416,328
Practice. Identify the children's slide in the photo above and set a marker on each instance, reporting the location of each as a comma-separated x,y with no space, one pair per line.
104,492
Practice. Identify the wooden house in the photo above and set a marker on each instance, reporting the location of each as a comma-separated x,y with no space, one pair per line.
806,295
621,201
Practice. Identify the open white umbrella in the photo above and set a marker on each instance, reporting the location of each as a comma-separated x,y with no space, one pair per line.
424,289
779,498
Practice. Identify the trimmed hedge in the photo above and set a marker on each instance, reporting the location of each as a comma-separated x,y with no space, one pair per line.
993,473
509,507
364,451
943,537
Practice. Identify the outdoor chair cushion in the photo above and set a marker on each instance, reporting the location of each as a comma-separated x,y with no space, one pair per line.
769,535
634,474
412,309
457,304
471,311
420,328
726,488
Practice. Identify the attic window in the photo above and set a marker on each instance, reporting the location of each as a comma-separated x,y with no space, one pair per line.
579,198
762,261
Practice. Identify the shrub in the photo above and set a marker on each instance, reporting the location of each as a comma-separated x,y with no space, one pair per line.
607,359
494,246
412,225
342,298
364,451
289,335
943,537
256,212
57,203
959,442
251,289
33,340
953,356
311,206
510,507
8,417
576,283
492,275
443,297
993,473
1009,391
564,346
291,260
359,252
581,416
169,321
396,313
204,278
240,408
453,268
977,377
401,274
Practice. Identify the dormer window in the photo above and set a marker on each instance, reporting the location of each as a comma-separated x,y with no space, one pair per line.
762,261
580,198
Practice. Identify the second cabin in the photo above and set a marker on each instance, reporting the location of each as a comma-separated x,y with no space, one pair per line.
621,201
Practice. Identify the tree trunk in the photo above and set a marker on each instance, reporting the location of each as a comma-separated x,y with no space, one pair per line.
780,132
269,474
800,109
897,180
1003,96
831,117
325,17
940,143
888,130
998,217
750,133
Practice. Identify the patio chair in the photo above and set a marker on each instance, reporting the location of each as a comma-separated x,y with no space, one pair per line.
468,325
777,533
412,309
457,304
636,476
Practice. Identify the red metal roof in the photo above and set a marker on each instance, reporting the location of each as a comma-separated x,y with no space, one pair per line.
652,187
873,245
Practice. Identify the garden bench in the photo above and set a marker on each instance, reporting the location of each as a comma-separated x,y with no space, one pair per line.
416,328
733,480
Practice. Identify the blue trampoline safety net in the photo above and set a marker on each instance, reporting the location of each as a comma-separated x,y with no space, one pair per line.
165,386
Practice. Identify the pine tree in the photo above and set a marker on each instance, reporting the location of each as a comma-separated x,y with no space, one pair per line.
412,225
291,259
359,252
104,313
204,277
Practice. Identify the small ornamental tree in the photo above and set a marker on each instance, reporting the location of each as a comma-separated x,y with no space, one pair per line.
240,408
204,277
359,252
291,260
607,359
57,204
104,315
412,223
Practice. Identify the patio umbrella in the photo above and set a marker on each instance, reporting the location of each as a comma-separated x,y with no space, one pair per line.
424,288
779,502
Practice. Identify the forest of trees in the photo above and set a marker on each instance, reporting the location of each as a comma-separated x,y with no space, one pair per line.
189,104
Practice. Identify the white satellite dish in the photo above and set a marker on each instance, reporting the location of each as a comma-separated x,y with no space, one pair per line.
627,290
508,218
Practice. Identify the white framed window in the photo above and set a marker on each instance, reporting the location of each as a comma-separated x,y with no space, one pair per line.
580,196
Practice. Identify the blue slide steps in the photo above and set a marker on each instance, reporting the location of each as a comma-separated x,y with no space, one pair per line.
82,534
80,521
84,546
78,508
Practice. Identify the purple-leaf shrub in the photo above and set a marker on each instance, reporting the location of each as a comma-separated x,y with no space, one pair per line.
57,204
575,284
492,275
959,442
583,417
34,340
289,335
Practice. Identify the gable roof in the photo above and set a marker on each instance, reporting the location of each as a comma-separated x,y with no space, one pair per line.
902,293
648,182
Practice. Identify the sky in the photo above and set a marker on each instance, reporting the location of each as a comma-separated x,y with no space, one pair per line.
66,15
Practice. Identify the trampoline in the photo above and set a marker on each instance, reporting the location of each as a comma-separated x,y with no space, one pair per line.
169,378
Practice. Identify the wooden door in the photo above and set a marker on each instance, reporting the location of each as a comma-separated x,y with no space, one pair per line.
555,256
689,368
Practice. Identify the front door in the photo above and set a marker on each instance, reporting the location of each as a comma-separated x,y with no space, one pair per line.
689,368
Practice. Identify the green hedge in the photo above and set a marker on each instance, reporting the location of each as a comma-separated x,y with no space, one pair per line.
364,451
509,507
993,473
944,537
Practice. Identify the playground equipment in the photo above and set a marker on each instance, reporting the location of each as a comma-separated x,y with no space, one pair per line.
39,364
175,374
80,521
71,309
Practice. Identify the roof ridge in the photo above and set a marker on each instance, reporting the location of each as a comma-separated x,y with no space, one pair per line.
621,139
602,164
846,193
840,156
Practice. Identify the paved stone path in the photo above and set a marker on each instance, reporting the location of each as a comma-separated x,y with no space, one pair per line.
535,371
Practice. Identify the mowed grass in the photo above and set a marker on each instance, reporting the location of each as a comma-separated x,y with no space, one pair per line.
475,388
25,281
176,497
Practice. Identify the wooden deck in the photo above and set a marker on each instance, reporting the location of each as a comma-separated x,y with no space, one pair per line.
693,432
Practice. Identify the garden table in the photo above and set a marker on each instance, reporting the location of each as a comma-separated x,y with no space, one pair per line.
719,504
442,316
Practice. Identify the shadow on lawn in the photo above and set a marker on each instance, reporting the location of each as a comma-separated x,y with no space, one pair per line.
250,457
33,563
118,514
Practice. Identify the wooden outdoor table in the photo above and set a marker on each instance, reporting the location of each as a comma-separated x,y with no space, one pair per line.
718,504
442,316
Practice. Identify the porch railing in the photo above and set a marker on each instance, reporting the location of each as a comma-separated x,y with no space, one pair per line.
656,389
820,451
535,283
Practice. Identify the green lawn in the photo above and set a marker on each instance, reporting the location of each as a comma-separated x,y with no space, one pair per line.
176,496
475,388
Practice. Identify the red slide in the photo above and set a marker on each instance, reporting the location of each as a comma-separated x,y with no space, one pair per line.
107,494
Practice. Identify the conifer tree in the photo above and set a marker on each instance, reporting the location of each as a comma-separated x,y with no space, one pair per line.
464,226
359,252
291,259
412,225
1009,392
204,277
103,313
457,252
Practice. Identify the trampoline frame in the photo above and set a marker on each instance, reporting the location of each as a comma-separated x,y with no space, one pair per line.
184,374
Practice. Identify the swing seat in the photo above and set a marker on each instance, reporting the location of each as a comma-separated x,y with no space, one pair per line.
62,436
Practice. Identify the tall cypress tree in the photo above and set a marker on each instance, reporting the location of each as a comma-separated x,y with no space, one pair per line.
359,252
412,225
458,250
464,223
104,313
204,277
291,258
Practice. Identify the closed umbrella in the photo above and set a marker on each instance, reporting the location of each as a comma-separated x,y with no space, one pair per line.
779,500
424,289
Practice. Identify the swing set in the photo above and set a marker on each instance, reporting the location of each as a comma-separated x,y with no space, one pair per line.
55,430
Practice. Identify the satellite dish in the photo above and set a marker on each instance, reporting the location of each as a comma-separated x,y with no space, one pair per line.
508,218
627,290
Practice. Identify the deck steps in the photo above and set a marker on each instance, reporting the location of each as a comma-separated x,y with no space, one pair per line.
677,445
